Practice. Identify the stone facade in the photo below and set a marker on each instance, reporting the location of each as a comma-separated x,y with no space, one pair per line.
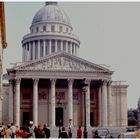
47,86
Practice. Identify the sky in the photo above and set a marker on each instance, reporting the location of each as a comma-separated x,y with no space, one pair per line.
109,33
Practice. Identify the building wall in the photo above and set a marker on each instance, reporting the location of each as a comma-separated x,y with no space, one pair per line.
119,105
5,104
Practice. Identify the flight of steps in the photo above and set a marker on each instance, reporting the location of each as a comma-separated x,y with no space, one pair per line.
55,131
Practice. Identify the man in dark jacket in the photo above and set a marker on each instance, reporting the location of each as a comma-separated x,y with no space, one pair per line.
47,131
63,133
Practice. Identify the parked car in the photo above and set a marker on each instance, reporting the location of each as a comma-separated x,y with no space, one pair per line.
131,128
127,135
101,133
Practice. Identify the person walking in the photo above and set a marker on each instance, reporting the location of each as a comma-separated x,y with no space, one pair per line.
79,132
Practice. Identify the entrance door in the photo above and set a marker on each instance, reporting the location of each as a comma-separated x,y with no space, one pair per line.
26,118
91,118
59,116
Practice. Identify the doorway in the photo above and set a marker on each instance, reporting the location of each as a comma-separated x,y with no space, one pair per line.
59,116
91,118
26,118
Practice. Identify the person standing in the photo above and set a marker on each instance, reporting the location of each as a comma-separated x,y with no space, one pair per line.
69,129
13,129
47,131
63,133
8,132
79,132
31,129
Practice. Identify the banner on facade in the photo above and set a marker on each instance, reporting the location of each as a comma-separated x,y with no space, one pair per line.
2,26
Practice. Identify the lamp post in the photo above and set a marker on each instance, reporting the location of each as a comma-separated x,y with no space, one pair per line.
84,88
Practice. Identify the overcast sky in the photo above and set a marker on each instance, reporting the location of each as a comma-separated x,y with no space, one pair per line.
109,34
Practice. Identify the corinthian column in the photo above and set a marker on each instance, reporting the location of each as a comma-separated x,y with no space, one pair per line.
17,102
70,100
104,103
109,104
33,50
100,106
50,46
11,101
35,101
88,104
38,48
52,123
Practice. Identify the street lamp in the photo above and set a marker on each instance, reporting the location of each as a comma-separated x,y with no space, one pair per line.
84,89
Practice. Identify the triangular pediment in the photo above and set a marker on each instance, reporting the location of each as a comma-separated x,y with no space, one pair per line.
62,62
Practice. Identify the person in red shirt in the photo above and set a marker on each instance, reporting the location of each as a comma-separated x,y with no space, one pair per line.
79,132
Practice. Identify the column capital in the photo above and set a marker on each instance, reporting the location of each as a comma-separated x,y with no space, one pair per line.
17,80
70,81
109,83
88,81
35,80
53,81
104,82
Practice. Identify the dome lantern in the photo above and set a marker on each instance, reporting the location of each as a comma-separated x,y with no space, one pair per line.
51,3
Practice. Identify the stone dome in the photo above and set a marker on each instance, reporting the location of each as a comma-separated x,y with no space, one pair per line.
51,12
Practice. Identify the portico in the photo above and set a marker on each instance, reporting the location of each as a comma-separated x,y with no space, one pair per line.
47,90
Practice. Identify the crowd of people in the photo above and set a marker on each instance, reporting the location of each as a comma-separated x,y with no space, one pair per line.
32,131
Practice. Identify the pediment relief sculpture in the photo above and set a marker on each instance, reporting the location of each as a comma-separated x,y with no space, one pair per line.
61,63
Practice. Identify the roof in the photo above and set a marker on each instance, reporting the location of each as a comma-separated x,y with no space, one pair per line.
51,12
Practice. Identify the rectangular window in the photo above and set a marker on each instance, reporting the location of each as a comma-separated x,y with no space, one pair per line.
37,29
52,28
53,45
32,30
67,29
72,48
60,29
59,45
27,46
41,48
68,47
64,46
47,47
31,47
44,28
36,49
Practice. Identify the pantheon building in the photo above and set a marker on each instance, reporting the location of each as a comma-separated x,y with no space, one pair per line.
46,87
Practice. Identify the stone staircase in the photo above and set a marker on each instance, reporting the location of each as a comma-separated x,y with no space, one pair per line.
55,131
